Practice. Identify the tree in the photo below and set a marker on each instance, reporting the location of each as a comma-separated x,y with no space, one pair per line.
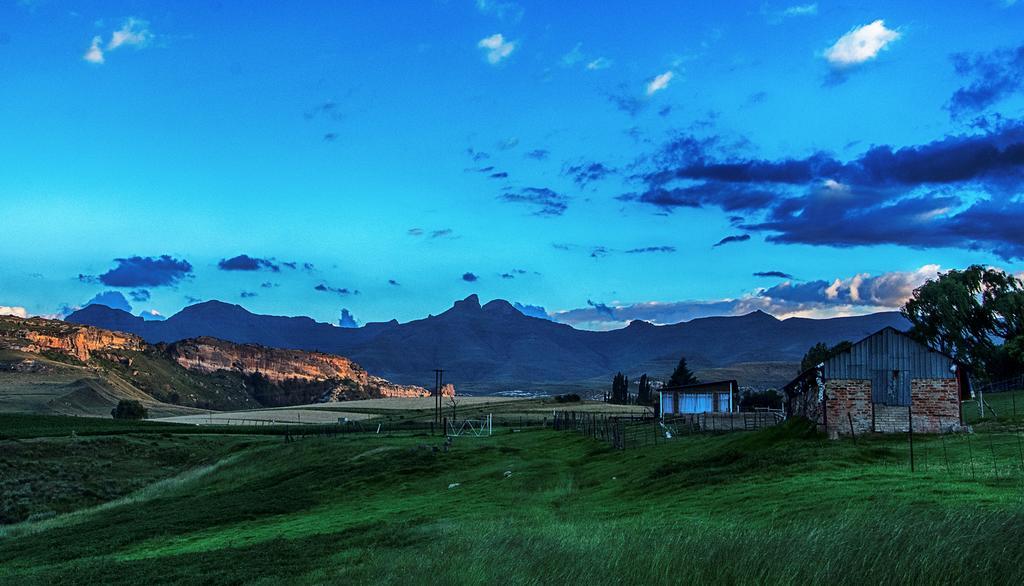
620,389
682,375
643,391
975,315
821,352
129,409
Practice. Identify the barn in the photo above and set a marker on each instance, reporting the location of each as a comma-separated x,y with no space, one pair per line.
713,397
883,383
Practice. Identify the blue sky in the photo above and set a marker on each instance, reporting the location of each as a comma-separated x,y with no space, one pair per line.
405,154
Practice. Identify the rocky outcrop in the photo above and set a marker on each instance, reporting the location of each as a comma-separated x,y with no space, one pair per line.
81,342
336,376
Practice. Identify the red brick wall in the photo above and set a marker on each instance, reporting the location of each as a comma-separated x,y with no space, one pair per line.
935,403
848,396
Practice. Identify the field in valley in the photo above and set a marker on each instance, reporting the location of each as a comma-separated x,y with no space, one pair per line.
188,504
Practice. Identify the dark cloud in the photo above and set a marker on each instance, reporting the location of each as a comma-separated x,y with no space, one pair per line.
330,136
532,310
731,239
599,252
393,283
512,274
776,274
886,290
538,154
247,294
757,97
602,309
665,111
347,320
190,300
438,233
343,291
499,175
585,173
268,285
651,249
476,155
627,102
821,297
139,295
327,109
959,191
508,143
548,202
90,279
146,271
989,78
244,262
729,198
470,277
111,299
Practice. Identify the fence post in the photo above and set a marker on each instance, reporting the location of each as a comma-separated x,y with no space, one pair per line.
910,427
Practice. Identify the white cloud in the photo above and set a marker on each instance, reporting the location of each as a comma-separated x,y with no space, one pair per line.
856,295
659,83
95,53
599,63
860,44
497,48
801,10
133,32
574,56
15,311
503,9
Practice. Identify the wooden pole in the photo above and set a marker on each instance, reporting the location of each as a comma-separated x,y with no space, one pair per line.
910,433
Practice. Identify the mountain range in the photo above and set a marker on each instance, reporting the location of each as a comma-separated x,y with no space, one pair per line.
51,366
494,347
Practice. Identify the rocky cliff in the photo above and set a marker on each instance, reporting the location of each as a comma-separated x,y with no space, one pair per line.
38,335
337,376
199,372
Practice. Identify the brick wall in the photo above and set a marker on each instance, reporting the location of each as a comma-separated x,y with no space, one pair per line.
936,404
846,398
891,418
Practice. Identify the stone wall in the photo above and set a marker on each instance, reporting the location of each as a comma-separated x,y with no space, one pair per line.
936,404
846,399
892,418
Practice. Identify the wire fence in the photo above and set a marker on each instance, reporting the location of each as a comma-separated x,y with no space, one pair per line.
624,431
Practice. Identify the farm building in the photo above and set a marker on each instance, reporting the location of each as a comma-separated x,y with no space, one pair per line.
878,384
715,397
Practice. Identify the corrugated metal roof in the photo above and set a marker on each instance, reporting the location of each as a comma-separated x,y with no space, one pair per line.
889,359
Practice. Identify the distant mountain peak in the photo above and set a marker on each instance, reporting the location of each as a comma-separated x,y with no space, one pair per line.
639,323
759,314
500,306
469,303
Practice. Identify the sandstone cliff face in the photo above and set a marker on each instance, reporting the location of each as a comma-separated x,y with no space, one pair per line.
37,335
339,377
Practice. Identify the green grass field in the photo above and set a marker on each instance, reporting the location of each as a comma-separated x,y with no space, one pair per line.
782,505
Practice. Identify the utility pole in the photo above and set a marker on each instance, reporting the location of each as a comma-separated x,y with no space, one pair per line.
438,385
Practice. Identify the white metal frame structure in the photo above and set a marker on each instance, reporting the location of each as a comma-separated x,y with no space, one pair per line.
470,427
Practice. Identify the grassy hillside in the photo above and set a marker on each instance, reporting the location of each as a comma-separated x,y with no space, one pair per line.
778,506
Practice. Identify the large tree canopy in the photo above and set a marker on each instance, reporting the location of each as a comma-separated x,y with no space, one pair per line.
976,315
682,375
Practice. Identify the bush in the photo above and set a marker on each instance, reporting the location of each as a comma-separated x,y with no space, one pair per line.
568,398
129,409
771,399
